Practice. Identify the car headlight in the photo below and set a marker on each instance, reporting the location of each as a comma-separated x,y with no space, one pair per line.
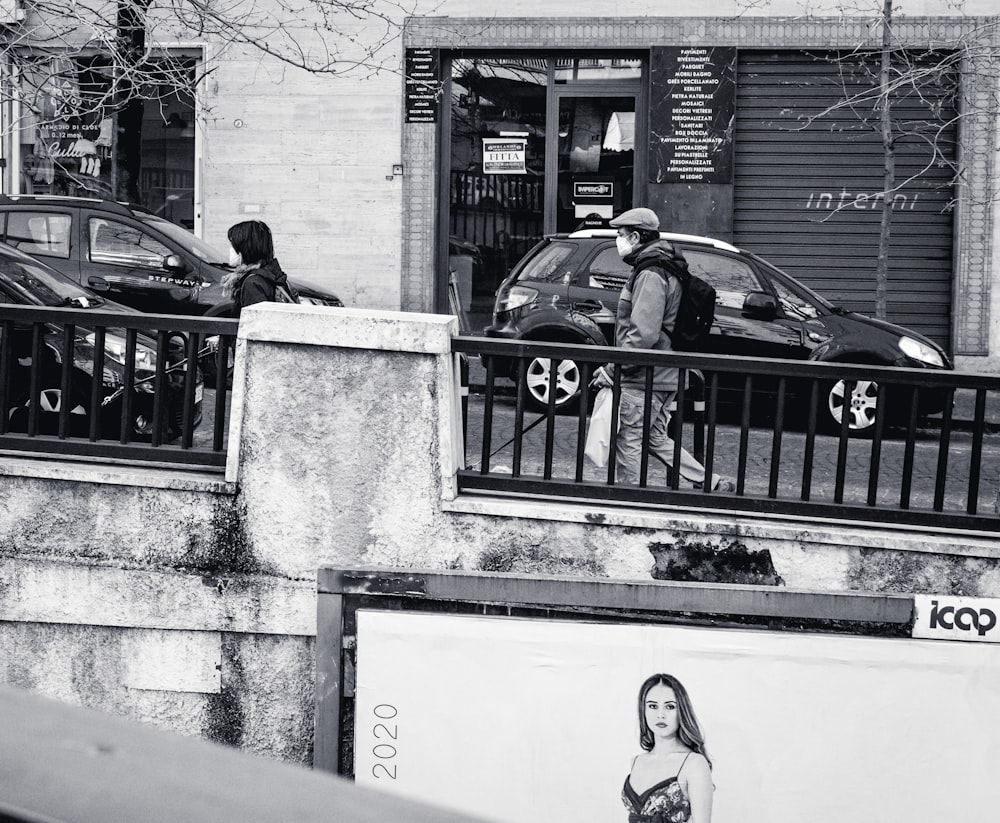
916,350
115,348
114,355
517,296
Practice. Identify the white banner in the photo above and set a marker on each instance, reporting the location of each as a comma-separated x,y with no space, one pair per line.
532,720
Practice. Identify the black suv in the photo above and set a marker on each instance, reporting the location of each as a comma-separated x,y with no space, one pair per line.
126,252
566,290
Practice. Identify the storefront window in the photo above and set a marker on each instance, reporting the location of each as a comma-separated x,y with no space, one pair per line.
497,170
67,136
73,142
537,143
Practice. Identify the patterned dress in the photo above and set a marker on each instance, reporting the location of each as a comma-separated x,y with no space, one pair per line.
663,802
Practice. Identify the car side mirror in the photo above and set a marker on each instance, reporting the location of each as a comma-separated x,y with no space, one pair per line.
174,262
760,306
98,284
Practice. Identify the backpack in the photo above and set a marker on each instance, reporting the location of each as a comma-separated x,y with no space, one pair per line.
696,311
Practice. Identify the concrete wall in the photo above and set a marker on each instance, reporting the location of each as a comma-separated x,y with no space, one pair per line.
187,600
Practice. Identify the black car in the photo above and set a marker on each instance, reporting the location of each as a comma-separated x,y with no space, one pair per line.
126,252
26,281
566,290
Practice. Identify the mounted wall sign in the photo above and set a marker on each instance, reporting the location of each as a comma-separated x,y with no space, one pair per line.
692,113
423,85
594,197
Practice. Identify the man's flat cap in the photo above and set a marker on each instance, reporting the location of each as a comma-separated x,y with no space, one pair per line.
637,219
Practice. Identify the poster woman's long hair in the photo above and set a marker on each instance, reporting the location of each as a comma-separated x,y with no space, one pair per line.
690,733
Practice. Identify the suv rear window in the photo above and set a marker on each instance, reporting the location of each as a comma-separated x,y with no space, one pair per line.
41,233
545,267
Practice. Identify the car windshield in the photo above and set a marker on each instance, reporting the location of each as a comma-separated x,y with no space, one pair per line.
43,286
198,247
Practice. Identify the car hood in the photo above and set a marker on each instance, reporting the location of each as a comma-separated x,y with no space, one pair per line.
845,331
96,302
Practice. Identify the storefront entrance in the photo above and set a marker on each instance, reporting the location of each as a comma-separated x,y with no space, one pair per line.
536,145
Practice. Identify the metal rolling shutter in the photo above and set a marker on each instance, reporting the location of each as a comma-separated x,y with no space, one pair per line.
790,181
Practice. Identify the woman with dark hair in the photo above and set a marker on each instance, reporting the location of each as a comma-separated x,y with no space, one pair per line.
256,276
671,781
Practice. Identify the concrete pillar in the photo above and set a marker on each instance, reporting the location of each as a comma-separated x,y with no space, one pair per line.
345,423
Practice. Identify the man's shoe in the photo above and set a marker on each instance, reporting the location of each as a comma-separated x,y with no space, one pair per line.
725,484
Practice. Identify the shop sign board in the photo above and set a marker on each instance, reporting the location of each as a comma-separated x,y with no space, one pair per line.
504,155
593,197
423,85
692,114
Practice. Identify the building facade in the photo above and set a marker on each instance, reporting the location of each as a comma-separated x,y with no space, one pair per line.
487,129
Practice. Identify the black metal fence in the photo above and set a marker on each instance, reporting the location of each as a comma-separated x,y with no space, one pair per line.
773,425
85,383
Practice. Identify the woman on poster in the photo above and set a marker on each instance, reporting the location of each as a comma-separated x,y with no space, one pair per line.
671,780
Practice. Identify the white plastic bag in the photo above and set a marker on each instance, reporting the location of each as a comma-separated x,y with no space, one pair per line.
599,434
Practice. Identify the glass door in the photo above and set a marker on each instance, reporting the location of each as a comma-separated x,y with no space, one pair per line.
592,158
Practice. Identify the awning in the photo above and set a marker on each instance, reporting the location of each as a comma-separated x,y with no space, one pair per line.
621,132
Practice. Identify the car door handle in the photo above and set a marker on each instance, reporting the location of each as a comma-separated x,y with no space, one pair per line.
587,306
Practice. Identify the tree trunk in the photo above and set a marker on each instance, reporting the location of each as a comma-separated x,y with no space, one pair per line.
889,174
129,98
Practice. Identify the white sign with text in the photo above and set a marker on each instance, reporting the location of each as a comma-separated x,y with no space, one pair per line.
942,617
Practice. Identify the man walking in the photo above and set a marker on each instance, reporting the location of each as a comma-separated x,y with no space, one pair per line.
647,312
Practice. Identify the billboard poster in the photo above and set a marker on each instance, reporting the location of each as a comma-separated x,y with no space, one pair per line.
516,719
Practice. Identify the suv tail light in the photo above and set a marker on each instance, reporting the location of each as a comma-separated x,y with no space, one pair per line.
514,297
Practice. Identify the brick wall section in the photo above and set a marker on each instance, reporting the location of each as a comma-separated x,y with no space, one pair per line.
974,227
310,156
420,204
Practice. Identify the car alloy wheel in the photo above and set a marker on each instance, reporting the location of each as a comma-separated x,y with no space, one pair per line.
861,405
537,382
50,400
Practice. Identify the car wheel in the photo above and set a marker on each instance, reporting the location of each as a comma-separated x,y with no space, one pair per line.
49,406
537,383
860,406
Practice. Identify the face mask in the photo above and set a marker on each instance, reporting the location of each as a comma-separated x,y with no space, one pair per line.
235,258
624,247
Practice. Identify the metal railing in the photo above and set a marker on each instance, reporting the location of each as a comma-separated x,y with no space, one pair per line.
766,422
127,386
